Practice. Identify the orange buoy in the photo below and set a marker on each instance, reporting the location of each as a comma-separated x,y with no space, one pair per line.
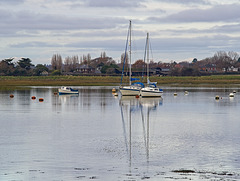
55,93
137,96
33,97
41,99
11,96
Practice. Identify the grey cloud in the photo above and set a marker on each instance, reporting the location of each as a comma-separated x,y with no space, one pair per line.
34,44
218,13
227,28
185,1
5,2
114,3
26,20
194,46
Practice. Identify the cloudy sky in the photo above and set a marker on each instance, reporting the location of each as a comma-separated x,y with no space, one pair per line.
179,29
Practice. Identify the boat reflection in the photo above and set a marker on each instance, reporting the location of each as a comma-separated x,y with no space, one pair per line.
136,112
69,101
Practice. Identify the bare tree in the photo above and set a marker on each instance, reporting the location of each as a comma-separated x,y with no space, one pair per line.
67,64
103,55
56,62
75,62
88,58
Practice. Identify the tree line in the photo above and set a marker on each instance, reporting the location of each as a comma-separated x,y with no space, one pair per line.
22,67
222,62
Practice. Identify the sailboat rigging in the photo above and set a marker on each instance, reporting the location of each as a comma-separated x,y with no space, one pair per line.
132,89
151,90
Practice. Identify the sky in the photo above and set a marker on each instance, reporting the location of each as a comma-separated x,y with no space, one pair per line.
180,30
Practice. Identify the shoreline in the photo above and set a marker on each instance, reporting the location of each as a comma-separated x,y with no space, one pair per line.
203,81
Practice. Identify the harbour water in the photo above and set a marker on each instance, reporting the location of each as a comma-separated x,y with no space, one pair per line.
98,136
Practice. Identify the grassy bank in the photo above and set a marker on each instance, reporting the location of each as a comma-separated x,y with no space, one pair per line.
219,80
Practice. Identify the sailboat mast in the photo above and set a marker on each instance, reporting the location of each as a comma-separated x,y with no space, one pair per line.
147,58
130,52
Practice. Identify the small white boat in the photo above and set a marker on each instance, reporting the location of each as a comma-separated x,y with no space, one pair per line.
151,91
67,90
130,90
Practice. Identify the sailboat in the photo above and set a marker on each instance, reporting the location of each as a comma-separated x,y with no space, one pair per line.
151,90
132,89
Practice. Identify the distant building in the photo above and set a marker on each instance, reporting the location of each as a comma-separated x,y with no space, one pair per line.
232,69
209,68
86,69
44,73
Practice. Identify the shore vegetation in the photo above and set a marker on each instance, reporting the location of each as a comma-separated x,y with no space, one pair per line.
213,80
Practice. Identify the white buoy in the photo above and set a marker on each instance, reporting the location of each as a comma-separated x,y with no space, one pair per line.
175,94
186,92
217,97
234,92
115,94
231,94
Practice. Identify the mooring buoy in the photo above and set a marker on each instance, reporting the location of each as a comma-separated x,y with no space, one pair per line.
11,96
41,99
113,90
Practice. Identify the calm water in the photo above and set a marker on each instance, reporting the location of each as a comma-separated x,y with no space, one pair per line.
96,136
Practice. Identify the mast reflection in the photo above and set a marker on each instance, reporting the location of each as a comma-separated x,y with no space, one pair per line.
141,108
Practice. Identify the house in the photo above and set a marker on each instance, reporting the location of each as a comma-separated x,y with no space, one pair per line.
208,68
232,69
86,69
44,73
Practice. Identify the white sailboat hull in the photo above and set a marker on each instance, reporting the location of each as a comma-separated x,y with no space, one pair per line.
151,92
67,90
129,90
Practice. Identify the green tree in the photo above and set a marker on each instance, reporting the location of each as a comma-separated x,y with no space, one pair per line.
6,67
194,60
25,63
109,69
39,69
56,72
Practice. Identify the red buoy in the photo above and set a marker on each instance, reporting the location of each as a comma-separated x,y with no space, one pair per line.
41,99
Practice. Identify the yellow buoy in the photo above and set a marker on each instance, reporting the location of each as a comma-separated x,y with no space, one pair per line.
175,94
11,96
217,97
115,94
113,90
